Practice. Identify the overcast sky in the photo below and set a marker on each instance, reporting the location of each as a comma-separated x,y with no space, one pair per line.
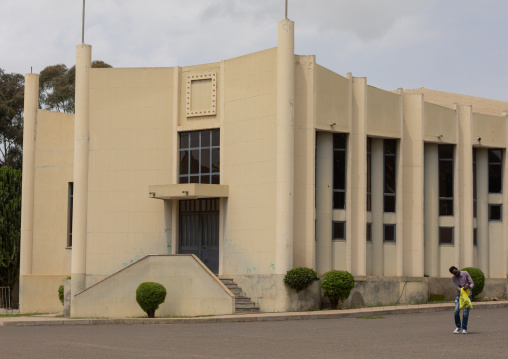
449,45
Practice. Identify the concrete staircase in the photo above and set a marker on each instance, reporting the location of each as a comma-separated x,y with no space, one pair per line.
243,304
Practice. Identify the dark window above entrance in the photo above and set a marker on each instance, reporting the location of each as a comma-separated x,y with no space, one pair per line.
199,157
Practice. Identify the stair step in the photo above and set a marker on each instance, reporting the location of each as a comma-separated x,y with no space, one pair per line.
245,305
250,310
226,280
242,300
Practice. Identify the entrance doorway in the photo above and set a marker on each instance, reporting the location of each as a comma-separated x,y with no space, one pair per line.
199,230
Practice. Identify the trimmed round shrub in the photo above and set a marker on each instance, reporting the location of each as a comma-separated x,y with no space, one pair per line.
149,296
478,279
300,278
61,293
337,285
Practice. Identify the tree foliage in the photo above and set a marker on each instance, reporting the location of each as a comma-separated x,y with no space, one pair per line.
11,119
300,278
10,225
57,86
337,285
149,296
478,278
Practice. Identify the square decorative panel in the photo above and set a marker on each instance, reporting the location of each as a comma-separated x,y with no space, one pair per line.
201,94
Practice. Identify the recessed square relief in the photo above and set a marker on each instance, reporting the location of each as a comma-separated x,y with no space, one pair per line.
201,94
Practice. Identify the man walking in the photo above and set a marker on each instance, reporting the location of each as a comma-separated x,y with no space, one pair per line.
461,279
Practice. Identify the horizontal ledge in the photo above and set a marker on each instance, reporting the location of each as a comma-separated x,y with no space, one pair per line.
188,191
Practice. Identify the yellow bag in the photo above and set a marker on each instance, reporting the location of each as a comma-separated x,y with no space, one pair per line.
464,301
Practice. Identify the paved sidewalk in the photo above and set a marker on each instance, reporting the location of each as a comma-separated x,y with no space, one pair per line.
53,319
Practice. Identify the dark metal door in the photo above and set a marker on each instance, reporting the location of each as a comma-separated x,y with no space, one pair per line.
199,230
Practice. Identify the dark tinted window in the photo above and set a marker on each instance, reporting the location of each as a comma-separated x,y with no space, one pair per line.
389,232
339,170
495,171
390,174
199,157
446,179
339,231
445,235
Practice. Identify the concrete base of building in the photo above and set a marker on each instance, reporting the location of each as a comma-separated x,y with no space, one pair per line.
40,293
494,287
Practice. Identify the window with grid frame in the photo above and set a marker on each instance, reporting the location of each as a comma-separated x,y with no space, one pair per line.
339,170
495,156
390,175
446,179
199,157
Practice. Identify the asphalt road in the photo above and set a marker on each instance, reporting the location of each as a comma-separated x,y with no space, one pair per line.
394,336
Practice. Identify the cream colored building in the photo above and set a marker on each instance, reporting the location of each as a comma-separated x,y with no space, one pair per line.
256,165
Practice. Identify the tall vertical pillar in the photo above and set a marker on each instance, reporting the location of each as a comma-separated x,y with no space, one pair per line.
285,148
377,163
80,200
27,198
505,201
482,213
412,184
324,195
358,176
431,209
465,187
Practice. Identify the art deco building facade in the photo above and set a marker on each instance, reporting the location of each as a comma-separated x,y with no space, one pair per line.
256,165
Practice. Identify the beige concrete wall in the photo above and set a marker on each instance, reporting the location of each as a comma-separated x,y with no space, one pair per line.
375,291
53,172
383,113
332,100
40,293
495,287
199,73
249,163
131,147
191,290
270,293
497,253
440,124
304,252
493,135
339,254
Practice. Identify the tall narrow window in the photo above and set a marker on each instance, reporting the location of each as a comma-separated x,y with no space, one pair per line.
369,174
474,183
70,201
446,180
495,170
339,170
390,174
199,157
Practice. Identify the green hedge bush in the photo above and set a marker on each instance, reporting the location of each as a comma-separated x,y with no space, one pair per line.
61,293
149,296
300,278
478,279
337,285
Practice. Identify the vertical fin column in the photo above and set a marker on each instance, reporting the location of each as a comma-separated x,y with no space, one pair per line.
285,148
79,218
27,199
